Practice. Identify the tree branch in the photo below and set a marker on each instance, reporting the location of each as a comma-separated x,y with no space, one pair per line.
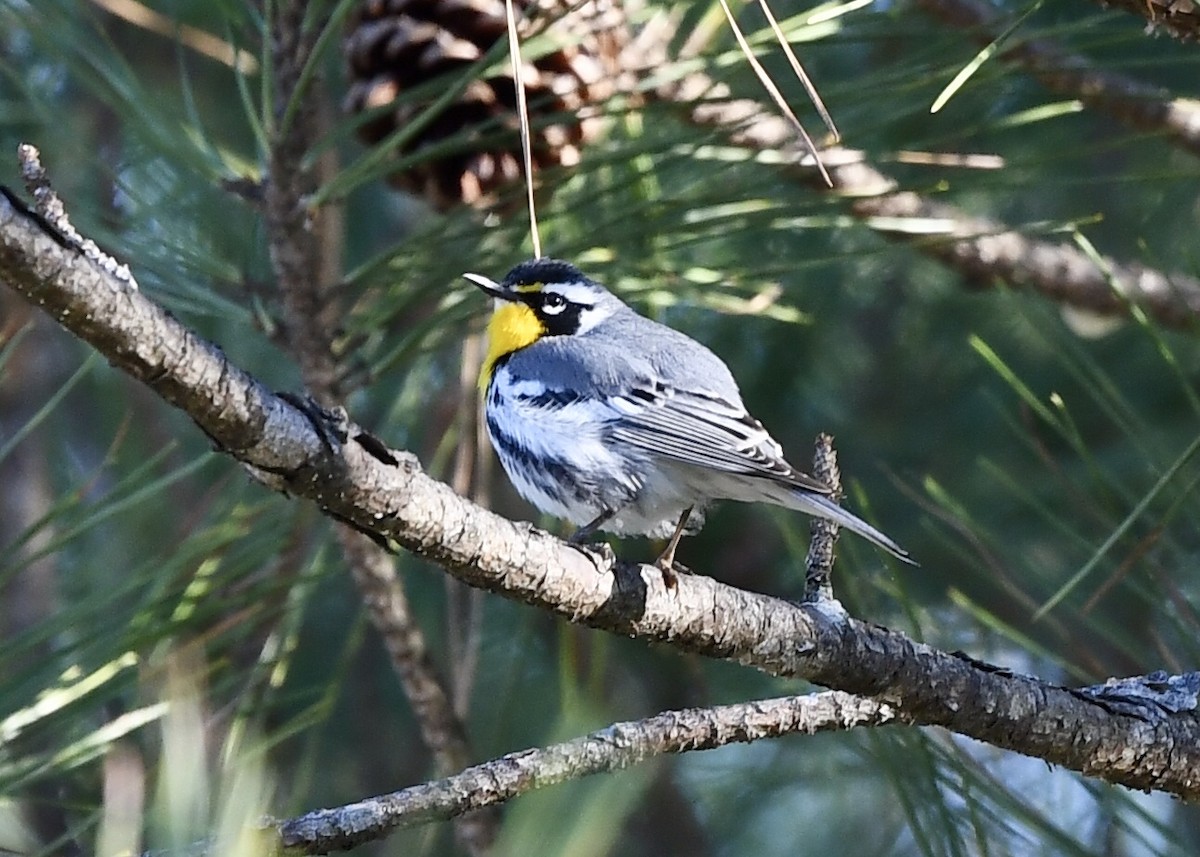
983,251
327,460
1124,98
986,253
304,257
308,314
613,748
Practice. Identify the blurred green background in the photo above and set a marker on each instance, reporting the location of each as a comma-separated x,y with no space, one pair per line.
1000,441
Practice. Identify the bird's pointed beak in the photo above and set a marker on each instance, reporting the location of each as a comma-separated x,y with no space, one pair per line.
490,287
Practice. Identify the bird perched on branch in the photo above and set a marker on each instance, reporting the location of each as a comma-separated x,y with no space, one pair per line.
620,424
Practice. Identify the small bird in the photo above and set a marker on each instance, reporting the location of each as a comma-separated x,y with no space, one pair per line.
620,424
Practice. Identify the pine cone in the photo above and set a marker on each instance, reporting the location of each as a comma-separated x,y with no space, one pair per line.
394,46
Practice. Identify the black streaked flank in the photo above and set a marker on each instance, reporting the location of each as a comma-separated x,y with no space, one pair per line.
556,477
551,399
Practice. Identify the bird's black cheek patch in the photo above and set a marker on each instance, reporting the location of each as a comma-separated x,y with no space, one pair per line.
564,323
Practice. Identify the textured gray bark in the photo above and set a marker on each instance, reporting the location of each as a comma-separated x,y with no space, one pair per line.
611,749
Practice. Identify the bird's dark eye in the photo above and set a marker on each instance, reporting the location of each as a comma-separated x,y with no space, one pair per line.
553,303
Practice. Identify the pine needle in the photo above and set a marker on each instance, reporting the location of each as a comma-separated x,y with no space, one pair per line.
980,58
809,87
773,90
514,52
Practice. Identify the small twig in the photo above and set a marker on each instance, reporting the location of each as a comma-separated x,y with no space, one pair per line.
292,233
50,208
819,564
611,749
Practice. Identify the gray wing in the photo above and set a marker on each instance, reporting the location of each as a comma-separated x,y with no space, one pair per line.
666,394
704,431
692,411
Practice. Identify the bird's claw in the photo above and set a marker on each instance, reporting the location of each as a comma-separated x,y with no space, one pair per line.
601,554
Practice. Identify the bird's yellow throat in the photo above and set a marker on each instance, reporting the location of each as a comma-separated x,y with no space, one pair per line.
512,327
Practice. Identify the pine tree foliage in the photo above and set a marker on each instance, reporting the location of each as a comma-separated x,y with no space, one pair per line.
183,651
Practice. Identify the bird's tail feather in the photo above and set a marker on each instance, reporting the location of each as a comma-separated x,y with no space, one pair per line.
823,507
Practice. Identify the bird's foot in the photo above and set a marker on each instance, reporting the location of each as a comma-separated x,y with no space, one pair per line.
592,527
582,536
601,554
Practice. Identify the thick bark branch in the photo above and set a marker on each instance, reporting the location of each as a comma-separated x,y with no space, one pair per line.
614,748
351,477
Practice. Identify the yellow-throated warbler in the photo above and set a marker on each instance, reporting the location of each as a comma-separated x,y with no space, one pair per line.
618,423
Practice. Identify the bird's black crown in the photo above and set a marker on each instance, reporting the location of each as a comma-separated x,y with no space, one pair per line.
542,271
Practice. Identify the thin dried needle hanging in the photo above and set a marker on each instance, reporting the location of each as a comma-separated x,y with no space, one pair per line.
809,87
771,88
514,53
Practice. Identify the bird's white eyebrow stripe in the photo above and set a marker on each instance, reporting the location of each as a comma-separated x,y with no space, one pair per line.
576,293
